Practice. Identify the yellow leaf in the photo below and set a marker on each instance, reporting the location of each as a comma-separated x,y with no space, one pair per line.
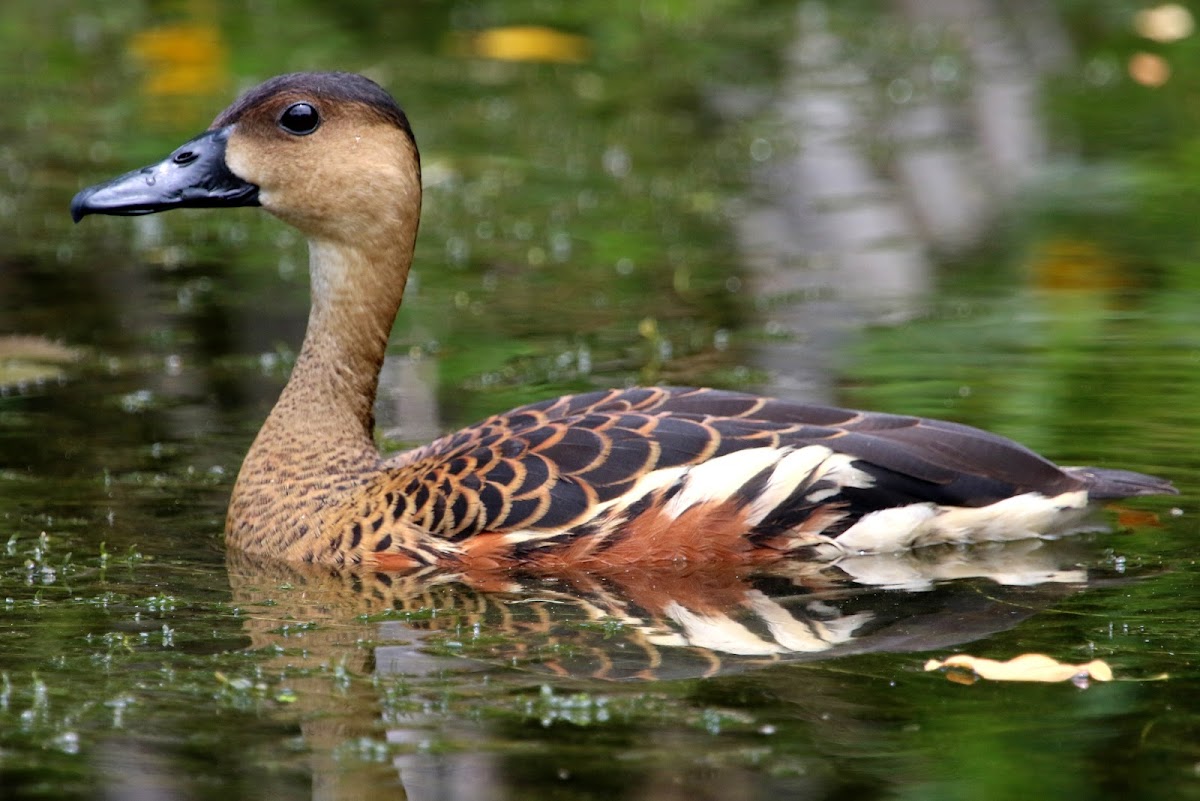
35,349
1068,264
31,359
183,60
527,43
1026,667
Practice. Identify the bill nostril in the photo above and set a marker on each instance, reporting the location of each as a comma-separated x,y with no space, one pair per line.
185,157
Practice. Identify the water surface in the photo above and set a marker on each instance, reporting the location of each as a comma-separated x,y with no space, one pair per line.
829,204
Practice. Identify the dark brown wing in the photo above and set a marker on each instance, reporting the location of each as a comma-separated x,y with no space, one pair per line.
545,465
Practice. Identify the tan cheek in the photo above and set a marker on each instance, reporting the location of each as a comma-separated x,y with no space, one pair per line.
257,170
277,170
237,161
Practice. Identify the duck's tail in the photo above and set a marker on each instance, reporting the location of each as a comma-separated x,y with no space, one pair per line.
1103,483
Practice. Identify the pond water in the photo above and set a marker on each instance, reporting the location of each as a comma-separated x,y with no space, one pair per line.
951,212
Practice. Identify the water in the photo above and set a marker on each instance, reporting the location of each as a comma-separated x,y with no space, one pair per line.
774,199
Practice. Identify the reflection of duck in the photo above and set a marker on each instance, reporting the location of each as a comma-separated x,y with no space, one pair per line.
649,623
632,476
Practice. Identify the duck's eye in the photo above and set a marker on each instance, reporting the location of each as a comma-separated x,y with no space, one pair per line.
299,119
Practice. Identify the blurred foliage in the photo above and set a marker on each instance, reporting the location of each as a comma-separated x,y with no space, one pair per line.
549,187
1071,319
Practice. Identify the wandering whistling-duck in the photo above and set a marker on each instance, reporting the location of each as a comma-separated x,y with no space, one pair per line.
601,479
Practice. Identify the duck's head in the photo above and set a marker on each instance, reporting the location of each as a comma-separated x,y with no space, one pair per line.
330,153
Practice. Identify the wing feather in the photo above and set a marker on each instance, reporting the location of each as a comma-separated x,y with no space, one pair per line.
543,466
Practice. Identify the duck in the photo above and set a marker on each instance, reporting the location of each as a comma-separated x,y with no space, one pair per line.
629,476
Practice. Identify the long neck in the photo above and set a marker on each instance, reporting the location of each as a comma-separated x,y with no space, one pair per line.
317,441
329,399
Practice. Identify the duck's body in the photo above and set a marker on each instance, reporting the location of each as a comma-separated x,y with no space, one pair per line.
606,478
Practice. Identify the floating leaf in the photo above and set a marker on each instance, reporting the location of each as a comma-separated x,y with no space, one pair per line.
1026,667
29,359
37,349
1135,518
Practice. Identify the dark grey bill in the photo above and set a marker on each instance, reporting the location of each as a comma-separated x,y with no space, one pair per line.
194,176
